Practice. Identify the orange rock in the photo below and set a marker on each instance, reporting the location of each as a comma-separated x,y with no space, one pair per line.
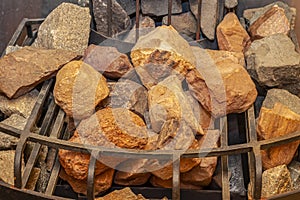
272,22
276,122
231,35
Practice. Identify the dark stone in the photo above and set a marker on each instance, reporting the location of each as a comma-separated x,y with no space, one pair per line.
128,6
160,7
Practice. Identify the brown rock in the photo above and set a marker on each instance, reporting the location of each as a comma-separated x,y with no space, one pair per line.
276,180
159,48
167,100
223,87
107,60
102,182
231,3
231,35
25,68
271,22
123,194
276,122
66,27
79,89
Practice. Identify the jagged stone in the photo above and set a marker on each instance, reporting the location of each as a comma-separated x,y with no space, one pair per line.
160,7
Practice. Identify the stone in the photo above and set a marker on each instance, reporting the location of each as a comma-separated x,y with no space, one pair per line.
66,27
8,141
107,60
220,56
273,123
253,14
157,182
273,61
22,70
271,22
294,168
184,23
160,7
275,181
284,97
294,88
22,105
231,35
223,87
33,178
122,194
102,182
128,94
79,88
167,100
10,49
231,3
128,6
120,19
163,51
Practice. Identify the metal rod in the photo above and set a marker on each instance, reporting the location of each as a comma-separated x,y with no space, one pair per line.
199,20
91,175
176,177
137,20
169,12
109,18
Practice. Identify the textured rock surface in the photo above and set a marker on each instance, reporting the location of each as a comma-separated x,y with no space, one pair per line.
276,122
271,22
79,88
167,100
158,182
24,69
7,141
107,60
66,27
231,35
294,168
273,61
220,56
22,106
102,182
160,7
184,23
125,193
128,5
120,19
165,51
223,87
128,94
231,3
276,181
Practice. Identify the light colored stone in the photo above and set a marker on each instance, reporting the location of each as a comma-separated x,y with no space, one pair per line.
122,194
231,3
79,88
294,168
231,35
66,27
128,6
10,49
160,7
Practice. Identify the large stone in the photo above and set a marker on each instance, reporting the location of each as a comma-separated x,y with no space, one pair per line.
184,23
231,34
79,88
276,181
160,7
283,97
122,194
8,141
226,56
24,69
231,3
223,87
120,19
102,182
66,27
276,122
163,51
128,6
10,49
22,105
273,61
167,100
107,60
294,168
271,22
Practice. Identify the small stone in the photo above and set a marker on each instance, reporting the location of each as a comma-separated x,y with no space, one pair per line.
22,70
275,181
107,60
79,88
122,194
276,122
22,105
209,10
184,23
66,27
294,168
220,56
273,61
293,88
223,87
33,178
8,141
271,22
120,19
231,3
160,7
128,6
231,35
